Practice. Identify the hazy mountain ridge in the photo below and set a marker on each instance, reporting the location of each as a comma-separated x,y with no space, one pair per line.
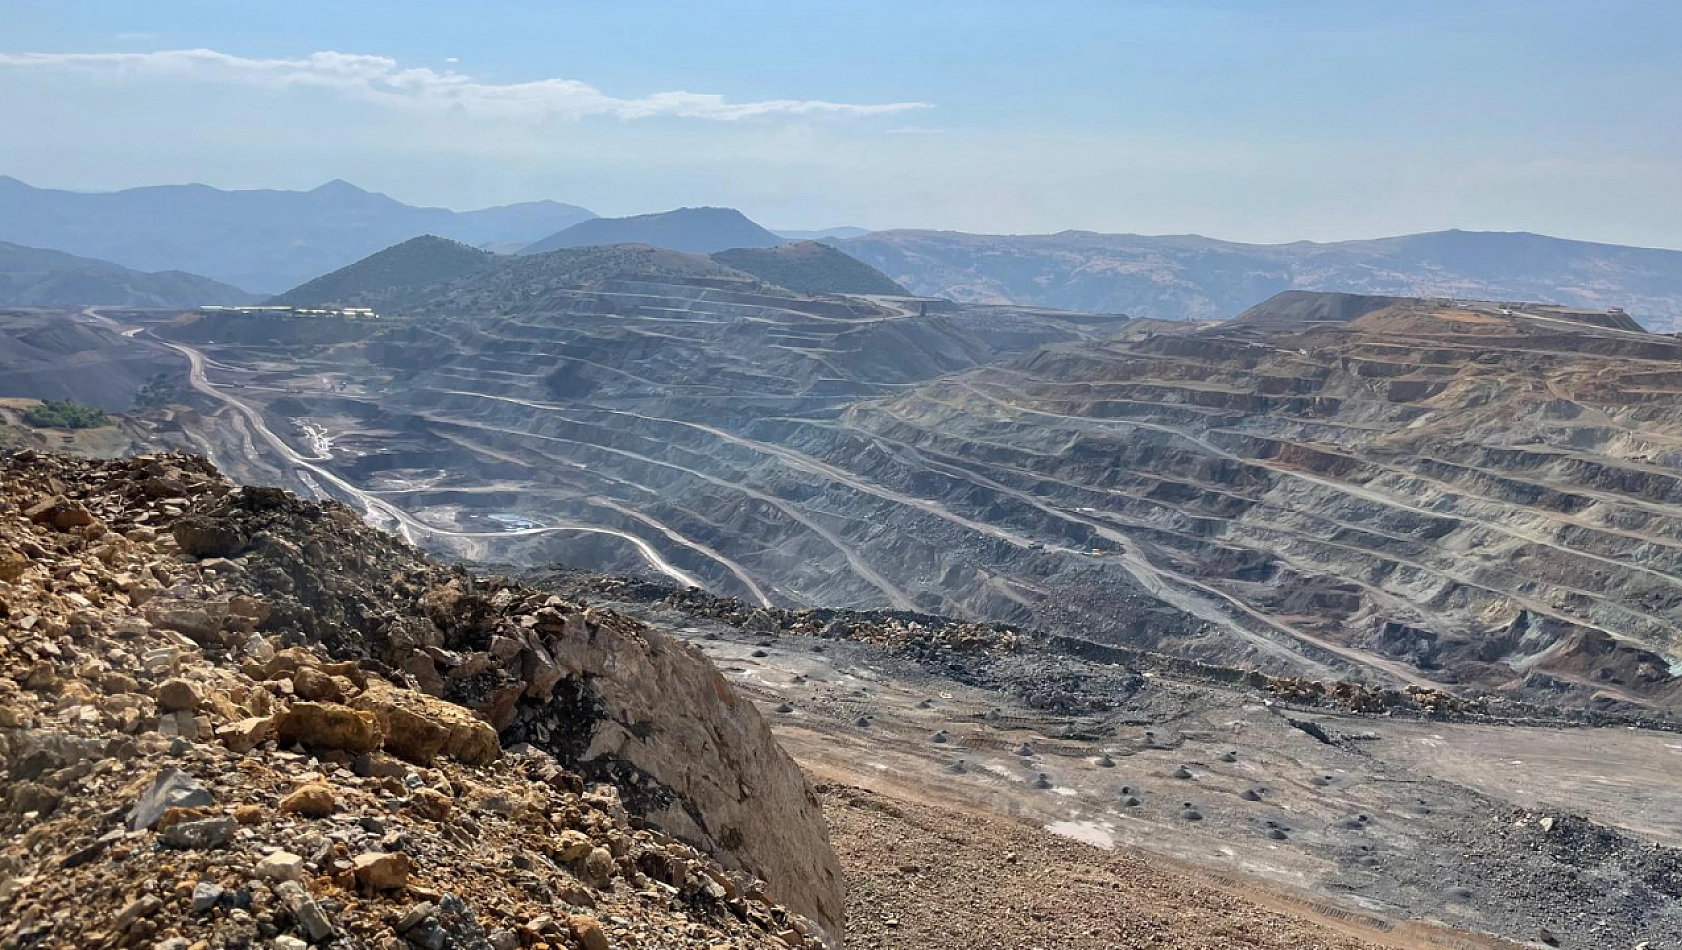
691,230
269,240
840,233
262,240
1194,277
37,277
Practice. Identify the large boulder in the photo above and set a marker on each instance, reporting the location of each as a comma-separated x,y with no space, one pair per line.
329,726
200,536
420,728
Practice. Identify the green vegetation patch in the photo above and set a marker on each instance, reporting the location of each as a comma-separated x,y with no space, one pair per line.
159,391
66,414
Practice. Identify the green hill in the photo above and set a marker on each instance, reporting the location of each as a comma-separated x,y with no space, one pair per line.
810,268
429,273
393,278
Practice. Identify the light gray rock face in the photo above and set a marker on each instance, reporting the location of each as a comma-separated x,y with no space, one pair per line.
644,710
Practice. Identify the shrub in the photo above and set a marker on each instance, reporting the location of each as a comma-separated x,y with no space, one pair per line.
65,414
158,392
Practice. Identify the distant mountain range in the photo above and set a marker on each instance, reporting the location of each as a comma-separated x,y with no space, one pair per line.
690,230
35,277
261,241
838,233
268,241
1191,277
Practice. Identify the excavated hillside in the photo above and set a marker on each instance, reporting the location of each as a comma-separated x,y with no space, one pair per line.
599,425
1477,497
230,717
1432,492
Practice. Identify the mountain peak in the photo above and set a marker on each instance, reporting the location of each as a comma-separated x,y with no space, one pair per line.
415,263
702,230
263,239
339,186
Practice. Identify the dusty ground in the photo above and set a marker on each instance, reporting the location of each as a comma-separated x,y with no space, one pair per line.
1188,799
926,877
931,878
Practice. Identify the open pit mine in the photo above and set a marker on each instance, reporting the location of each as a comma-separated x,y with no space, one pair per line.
1355,611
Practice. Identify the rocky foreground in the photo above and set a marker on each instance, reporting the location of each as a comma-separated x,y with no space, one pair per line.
231,718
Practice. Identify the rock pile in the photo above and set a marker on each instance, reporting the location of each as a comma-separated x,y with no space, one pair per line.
1362,698
231,718
920,636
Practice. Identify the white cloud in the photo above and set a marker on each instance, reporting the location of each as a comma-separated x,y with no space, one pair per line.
381,79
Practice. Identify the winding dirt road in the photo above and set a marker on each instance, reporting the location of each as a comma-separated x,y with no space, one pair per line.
381,512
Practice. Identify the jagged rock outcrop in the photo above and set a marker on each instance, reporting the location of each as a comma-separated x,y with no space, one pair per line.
607,695
304,737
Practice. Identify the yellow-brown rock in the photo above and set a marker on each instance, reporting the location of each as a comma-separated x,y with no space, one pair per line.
381,870
419,727
432,804
246,734
587,932
314,800
329,726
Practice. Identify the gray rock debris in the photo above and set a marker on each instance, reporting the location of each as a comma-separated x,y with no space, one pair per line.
305,911
172,788
198,835
206,894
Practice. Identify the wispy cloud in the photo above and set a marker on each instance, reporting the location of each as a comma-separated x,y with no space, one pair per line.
383,80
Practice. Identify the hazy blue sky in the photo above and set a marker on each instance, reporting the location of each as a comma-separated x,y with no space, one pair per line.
1247,119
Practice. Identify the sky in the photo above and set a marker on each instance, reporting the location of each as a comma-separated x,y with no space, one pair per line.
1253,120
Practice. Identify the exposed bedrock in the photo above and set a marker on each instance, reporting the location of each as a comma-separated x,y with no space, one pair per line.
1406,491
